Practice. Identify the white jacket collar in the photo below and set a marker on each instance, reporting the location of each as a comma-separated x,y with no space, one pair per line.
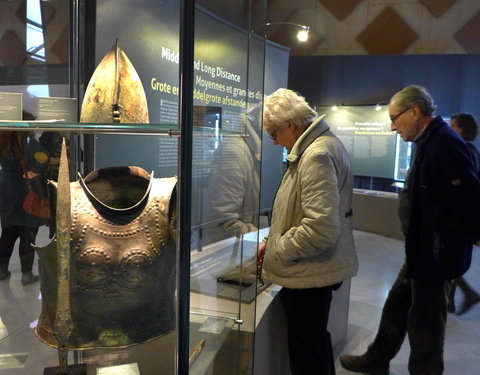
317,128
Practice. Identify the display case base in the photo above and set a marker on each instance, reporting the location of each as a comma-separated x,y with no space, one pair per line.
72,370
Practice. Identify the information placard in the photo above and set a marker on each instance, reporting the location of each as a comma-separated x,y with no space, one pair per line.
57,108
10,106
128,369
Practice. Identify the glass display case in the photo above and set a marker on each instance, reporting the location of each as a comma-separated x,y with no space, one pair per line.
173,91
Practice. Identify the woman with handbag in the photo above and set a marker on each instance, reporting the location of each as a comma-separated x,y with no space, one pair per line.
22,161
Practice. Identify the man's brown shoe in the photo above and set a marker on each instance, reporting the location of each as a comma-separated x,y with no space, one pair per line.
361,363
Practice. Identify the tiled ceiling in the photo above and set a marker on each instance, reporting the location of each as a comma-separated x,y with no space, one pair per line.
438,7
60,47
336,27
388,33
48,11
383,26
13,32
21,11
340,9
12,49
469,35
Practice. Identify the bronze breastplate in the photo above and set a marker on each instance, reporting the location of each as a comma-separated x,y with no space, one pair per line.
122,271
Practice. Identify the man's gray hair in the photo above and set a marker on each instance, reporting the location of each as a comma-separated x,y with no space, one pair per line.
415,95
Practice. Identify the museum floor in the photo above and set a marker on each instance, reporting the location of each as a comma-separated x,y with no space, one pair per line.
380,259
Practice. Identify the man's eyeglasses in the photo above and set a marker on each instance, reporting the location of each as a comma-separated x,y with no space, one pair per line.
394,118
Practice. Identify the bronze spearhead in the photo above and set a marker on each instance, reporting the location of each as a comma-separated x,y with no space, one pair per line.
115,92
63,318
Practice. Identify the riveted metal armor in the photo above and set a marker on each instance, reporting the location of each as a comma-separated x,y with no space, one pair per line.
122,261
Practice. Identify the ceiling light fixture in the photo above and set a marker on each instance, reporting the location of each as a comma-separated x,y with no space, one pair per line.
378,106
302,34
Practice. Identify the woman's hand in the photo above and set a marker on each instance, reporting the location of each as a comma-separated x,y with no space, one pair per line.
261,253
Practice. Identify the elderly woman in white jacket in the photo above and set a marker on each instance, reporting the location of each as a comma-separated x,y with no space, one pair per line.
310,249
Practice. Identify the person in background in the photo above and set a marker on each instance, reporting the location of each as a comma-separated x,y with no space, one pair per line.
433,210
465,125
310,249
16,146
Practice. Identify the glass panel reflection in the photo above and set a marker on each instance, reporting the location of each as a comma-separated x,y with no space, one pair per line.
228,79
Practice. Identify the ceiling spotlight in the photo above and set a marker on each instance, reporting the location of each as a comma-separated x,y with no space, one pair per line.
302,34
378,106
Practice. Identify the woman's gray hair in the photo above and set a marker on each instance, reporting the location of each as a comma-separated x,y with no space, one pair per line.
284,105
415,95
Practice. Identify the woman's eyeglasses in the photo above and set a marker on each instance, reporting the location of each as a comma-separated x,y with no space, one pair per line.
273,135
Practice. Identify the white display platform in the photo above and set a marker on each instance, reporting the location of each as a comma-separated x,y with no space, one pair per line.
376,212
267,318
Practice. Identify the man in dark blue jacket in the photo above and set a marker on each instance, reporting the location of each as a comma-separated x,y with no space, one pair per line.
433,208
